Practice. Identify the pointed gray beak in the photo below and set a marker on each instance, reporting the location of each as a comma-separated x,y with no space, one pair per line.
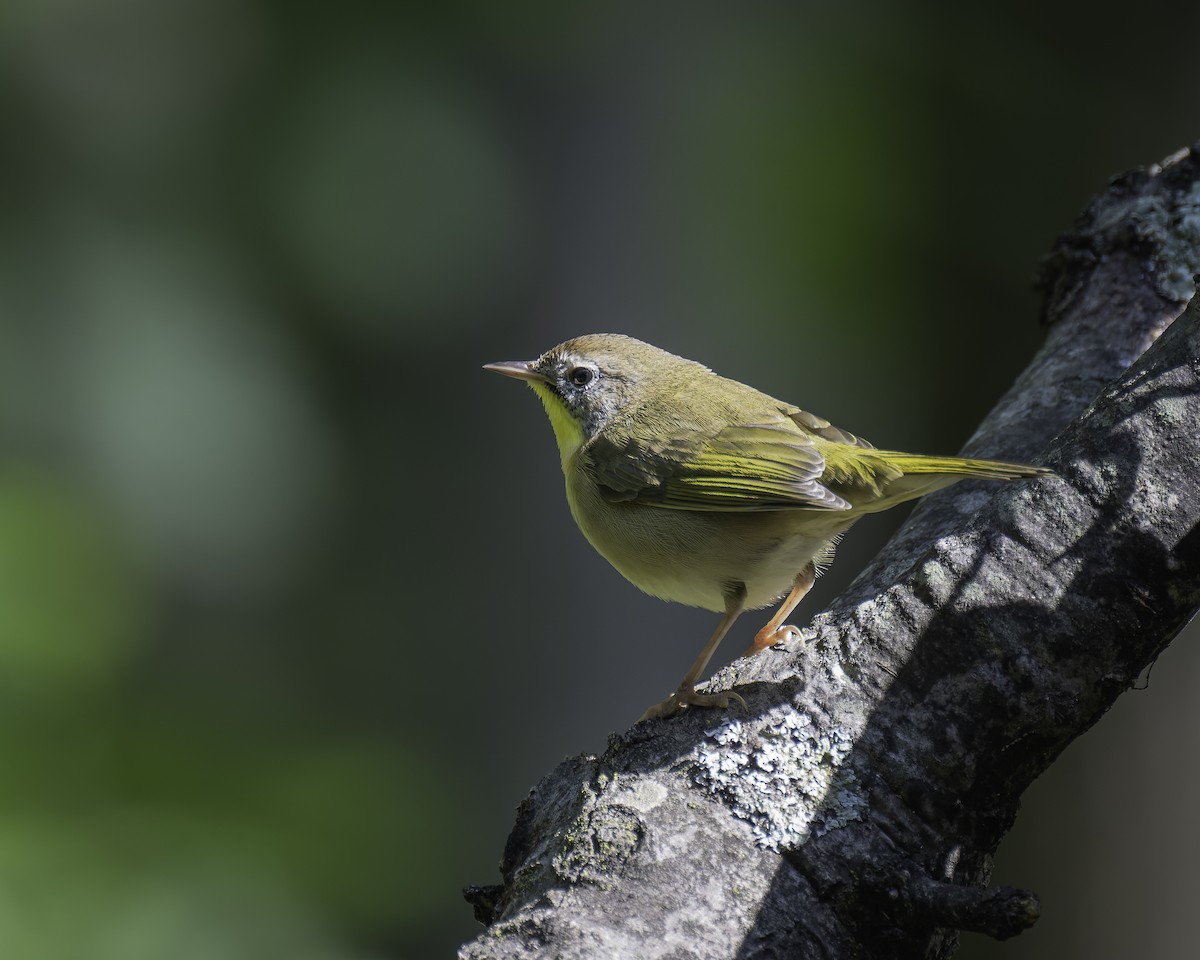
519,369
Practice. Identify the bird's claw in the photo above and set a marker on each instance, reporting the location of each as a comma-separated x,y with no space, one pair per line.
764,639
686,697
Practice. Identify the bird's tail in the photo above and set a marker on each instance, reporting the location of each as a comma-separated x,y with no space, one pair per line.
913,475
959,467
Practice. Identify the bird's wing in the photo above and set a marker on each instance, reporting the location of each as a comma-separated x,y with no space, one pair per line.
740,468
811,423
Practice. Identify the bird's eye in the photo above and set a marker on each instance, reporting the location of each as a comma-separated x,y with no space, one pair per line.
581,376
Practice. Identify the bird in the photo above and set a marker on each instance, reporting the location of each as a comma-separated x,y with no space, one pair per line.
704,491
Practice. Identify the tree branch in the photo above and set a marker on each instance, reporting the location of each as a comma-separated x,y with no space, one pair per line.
854,809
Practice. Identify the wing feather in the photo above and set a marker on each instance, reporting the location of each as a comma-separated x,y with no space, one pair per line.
739,468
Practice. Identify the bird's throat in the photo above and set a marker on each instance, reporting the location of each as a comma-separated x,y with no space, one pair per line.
567,430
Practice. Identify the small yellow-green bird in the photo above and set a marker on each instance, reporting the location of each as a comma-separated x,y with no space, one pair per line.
707,492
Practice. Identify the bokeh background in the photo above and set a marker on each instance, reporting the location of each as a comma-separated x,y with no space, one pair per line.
292,613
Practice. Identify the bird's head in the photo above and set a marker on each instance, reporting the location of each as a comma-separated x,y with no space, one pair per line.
585,382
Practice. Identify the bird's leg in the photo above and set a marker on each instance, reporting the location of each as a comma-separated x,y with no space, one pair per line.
776,631
686,695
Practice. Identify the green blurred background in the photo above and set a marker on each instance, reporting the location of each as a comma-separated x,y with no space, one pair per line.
292,613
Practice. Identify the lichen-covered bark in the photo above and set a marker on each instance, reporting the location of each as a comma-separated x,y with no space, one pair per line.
852,811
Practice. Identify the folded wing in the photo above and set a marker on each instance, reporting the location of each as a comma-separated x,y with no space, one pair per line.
740,468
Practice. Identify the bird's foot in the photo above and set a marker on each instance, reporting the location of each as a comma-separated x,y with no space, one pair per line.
688,697
767,637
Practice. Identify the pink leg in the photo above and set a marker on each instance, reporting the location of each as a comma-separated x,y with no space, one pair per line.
686,695
774,632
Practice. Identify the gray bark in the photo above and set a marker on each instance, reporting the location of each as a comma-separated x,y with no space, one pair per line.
853,810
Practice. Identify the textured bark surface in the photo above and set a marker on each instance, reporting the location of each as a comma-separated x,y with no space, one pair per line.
853,810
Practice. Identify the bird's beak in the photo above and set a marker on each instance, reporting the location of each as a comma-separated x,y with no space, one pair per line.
520,369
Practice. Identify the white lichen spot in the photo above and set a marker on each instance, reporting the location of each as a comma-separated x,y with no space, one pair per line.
937,581
781,774
643,797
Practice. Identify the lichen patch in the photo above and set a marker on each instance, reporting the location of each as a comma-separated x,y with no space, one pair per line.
781,773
